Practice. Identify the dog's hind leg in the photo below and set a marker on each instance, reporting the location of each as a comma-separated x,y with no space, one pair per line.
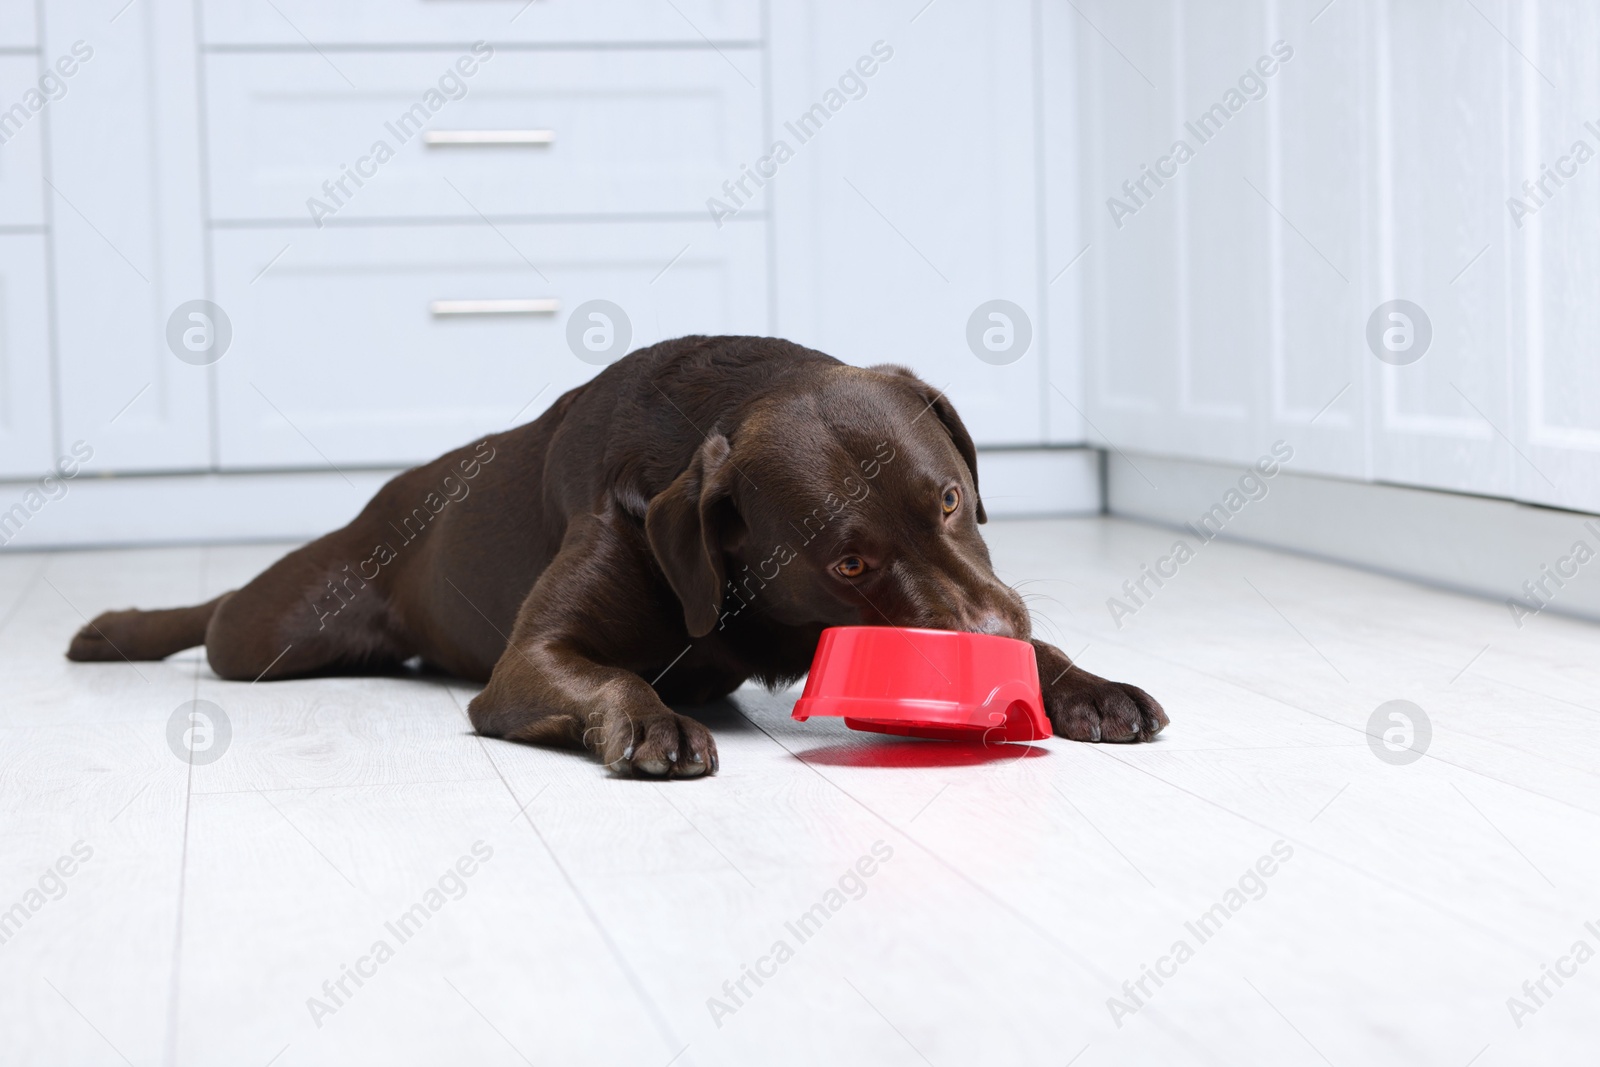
143,635
308,613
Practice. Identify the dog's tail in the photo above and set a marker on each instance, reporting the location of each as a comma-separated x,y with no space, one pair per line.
143,635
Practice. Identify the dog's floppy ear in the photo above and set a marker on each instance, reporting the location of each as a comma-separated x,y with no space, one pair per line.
940,405
687,525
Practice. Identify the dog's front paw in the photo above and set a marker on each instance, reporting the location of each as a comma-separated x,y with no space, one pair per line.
662,745
1086,707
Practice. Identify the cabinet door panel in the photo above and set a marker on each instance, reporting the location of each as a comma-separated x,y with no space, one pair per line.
293,22
1442,179
656,131
126,229
25,405
21,129
1318,174
914,201
17,26
1129,274
1558,300
338,358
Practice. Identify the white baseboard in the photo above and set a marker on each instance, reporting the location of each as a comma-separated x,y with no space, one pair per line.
194,508
1471,544
1027,482
297,506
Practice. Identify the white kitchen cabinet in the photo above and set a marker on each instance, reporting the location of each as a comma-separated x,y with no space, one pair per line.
860,178
1317,174
21,140
1231,308
1438,421
630,133
18,30
337,359
915,201
26,448
180,163
1555,279
1218,310
1061,268
26,401
126,231
432,22
1128,275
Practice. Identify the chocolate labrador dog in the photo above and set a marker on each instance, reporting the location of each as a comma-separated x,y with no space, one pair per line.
691,518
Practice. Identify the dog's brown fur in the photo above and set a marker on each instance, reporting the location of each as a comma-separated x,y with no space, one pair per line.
660,535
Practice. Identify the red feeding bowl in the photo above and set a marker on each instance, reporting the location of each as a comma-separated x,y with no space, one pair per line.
926,683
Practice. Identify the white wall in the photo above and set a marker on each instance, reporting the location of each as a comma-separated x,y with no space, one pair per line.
1230,310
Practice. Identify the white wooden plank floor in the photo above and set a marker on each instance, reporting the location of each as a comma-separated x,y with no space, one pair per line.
1022,890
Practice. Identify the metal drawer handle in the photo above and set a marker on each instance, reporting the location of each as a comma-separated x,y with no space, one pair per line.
488,137
539,306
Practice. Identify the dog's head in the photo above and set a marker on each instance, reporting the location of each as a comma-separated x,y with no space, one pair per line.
846,497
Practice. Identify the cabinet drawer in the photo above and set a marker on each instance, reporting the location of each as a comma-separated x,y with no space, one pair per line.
24,360
21,188
337,354
17,28
628,132
293,22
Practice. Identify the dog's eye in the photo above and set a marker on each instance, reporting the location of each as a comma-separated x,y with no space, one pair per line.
952,500
851,566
